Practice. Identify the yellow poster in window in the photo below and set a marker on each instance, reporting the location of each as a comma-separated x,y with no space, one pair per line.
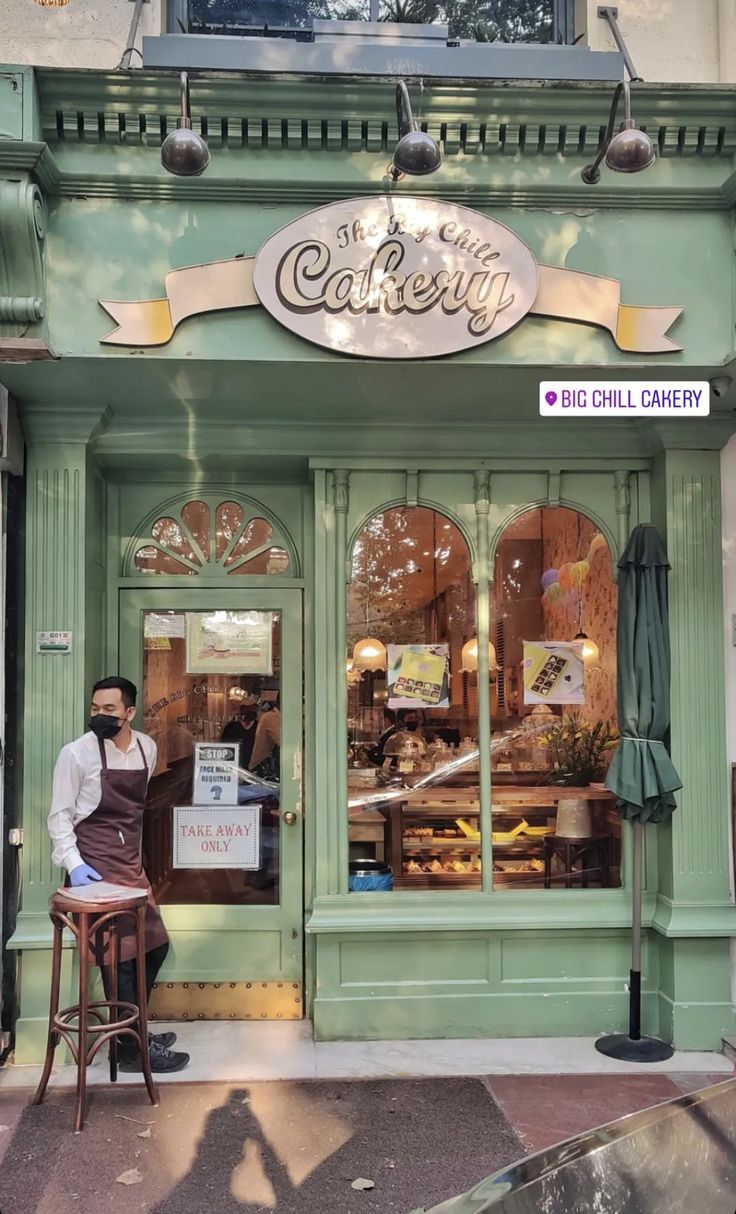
553,672
418,676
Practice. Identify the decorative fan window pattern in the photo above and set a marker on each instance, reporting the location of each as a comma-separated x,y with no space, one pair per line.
198,539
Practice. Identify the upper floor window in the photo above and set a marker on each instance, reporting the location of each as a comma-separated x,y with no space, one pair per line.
474,20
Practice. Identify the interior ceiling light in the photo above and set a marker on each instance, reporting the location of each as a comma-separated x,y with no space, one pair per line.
369,654
590,649
183,152
469,657
52,3
416,154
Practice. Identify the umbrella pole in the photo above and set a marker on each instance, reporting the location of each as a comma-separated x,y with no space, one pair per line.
635,974
632,1047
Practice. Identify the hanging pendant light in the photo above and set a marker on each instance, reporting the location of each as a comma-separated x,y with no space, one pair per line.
591,653
469,659
353,676
370,654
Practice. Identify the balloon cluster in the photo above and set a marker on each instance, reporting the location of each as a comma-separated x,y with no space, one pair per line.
561,584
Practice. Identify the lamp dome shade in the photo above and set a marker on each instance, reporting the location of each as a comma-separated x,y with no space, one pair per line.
469,661
630,151
417,154
184,153
591,652
369,654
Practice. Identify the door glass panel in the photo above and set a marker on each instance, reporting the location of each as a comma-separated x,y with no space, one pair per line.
196,516
211,703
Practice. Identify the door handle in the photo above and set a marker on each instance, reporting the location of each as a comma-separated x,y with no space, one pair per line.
289,817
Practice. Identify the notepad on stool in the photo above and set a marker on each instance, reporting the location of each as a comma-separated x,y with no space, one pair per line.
101,891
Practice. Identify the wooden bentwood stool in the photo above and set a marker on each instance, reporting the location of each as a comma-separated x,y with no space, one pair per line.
71,1023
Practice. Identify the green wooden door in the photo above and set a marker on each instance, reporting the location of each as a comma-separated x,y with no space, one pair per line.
223,851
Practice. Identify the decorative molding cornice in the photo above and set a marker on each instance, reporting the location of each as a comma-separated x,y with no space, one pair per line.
84,120
46,424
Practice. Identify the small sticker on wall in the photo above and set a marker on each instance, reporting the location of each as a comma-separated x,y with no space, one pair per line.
54,642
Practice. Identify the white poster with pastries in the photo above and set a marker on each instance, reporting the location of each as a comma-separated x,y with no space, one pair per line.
229,642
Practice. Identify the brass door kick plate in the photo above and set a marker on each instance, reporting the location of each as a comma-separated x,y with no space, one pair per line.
226,1001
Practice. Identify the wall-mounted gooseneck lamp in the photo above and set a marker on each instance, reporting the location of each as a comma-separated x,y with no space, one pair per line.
629,150
183,152
416,154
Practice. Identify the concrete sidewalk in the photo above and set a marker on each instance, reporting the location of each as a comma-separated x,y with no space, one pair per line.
296,1147
242,1051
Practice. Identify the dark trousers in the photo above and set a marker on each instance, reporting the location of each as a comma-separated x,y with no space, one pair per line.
128,987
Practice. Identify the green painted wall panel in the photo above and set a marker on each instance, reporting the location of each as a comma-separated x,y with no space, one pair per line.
445,961
237,957
129,247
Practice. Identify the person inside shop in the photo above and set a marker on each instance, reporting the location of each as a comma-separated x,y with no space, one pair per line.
98,801
265,762
242,729
265,755
408,720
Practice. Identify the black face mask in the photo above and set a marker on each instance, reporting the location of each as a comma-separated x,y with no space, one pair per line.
104,726
411,726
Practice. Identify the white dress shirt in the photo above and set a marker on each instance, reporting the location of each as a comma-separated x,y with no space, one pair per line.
77,787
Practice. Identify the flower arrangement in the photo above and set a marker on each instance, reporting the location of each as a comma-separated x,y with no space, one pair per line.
579,751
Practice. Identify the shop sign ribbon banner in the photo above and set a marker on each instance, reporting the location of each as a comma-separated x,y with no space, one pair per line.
396,278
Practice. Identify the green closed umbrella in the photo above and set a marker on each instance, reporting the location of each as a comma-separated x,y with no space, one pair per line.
642,774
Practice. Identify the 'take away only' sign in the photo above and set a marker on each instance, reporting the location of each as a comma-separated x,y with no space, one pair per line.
394,278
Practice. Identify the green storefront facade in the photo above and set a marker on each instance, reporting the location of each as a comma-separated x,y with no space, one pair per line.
237,409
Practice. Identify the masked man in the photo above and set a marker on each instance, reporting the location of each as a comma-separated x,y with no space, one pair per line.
96,824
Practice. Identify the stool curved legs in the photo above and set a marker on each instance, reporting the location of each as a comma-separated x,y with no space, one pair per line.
53,1037
142,995
72,1024
83,1009
114,957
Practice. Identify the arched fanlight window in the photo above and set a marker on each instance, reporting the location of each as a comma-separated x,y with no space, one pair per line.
199,539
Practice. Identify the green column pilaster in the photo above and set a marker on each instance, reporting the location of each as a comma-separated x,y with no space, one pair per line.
694,915
64,590
482,487
341,480
330,503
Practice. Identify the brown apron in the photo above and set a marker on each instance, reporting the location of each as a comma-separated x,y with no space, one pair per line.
110,840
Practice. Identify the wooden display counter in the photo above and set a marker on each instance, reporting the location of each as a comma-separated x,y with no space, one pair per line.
438,808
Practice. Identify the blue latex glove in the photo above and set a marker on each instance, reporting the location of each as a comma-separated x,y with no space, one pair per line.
84,874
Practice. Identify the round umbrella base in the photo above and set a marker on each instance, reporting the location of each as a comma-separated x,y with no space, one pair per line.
626,1049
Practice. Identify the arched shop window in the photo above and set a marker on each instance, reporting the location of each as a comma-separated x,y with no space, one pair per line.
553,585
413,727
201,539
411,707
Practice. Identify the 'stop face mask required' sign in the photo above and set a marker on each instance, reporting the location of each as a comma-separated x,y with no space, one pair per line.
396,277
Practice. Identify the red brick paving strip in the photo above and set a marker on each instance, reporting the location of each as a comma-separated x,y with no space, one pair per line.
545,1109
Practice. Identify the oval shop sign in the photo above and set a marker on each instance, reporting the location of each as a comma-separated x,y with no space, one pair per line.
396,278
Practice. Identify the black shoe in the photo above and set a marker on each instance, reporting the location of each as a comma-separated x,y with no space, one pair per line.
163,1061
164,1039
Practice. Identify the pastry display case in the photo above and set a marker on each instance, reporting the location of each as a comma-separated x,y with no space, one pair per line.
434,838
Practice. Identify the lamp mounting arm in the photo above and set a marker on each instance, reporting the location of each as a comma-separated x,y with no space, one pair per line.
609,14
404,115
